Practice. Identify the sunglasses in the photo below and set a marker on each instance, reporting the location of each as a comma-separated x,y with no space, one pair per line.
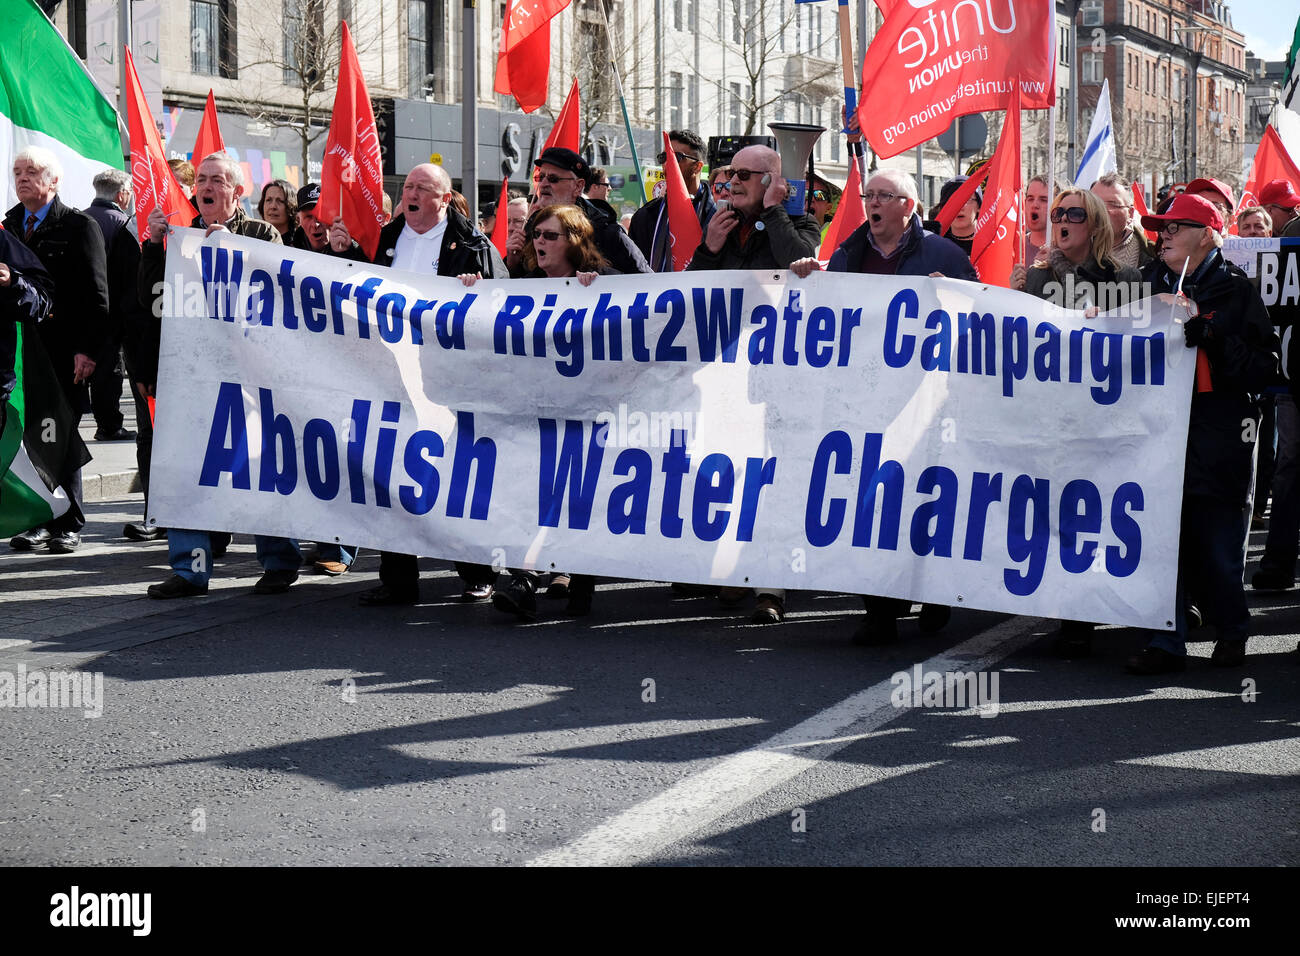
553,179
818,195
744,174
1075,214
681,158
722,186
599,186
1171,228
550,235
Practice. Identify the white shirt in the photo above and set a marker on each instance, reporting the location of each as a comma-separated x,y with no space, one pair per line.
419,252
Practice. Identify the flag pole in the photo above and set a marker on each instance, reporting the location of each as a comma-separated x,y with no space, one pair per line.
622,102
846,60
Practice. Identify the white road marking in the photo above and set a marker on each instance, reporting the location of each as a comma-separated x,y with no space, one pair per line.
697,801
1280,758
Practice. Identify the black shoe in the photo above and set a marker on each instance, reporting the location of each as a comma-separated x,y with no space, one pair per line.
275,582
769,610
1263,580
120,435
65,543
477,592
1195,619
934,617
1073,640
876,630
1228,653
1153,660
558,589
34,540
384,596
579,604
219,541
518,599
176,587
140,532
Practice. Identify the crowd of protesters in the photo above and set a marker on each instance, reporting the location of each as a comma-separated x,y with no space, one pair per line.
89,285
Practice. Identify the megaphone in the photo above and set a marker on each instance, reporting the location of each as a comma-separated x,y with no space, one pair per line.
794,142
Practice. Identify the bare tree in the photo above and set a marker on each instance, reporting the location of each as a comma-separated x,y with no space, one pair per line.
297,47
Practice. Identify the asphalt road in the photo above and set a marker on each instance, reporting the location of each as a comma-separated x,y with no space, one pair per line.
304,729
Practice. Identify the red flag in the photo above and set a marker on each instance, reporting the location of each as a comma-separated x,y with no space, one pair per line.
209,139
151,177
524,62
500,229
933,61
959,199
352,176
1140,204
997,231
565,132
851,214
1272,161
683,222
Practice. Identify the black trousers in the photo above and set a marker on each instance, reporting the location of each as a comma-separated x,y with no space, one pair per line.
106,391
401,572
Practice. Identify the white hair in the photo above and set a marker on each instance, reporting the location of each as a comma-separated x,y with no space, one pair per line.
232,166
904,184
43,159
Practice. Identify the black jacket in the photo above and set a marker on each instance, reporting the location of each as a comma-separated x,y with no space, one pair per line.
465,250
122,244
921,253
153,263
25,299
298,240
1244,358
781,240
614,244
646,223
71,248
1088,275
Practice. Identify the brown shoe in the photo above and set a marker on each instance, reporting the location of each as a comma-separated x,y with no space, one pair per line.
332,568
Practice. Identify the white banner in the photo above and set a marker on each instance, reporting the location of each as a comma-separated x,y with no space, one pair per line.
929,439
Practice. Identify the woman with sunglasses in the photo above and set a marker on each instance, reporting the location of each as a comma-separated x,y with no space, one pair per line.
1080,262
1082,240
559,244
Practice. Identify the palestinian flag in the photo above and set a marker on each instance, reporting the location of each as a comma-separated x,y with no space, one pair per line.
47,98
38,437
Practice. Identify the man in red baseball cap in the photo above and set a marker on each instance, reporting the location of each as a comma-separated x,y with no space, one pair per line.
1217,193
1281,200
1230,325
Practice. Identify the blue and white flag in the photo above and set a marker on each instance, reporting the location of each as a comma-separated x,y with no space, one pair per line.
1099,154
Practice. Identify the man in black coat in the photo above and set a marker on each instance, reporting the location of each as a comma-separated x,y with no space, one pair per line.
1230,326
560,176
428,236
649,228
71,248
25,294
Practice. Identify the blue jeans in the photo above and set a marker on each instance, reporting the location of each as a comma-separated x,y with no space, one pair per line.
190,554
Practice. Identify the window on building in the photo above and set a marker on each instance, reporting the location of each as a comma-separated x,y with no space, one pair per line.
213,32
693,117
1063,46
734,110
675,118
1092,67
304,36
678,21
425,42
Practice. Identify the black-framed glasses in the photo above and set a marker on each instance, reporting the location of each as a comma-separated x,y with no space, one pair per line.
681,157
599,186
872,196
553,179
1074,214
1170,229
744,174
550,235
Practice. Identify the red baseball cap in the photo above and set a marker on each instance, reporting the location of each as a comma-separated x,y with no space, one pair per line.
1279,193
1215,186
1186,208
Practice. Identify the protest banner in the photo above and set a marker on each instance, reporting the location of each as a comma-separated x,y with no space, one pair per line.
931,439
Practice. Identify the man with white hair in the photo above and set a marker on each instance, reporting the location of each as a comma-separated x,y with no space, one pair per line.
71,248
893,242
218,184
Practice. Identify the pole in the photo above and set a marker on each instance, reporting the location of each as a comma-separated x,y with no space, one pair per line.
659,61
1194,117
124,40
622,100
1071,160
469,110
846,62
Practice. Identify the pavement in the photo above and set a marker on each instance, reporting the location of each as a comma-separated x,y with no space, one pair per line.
237,729
112,470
